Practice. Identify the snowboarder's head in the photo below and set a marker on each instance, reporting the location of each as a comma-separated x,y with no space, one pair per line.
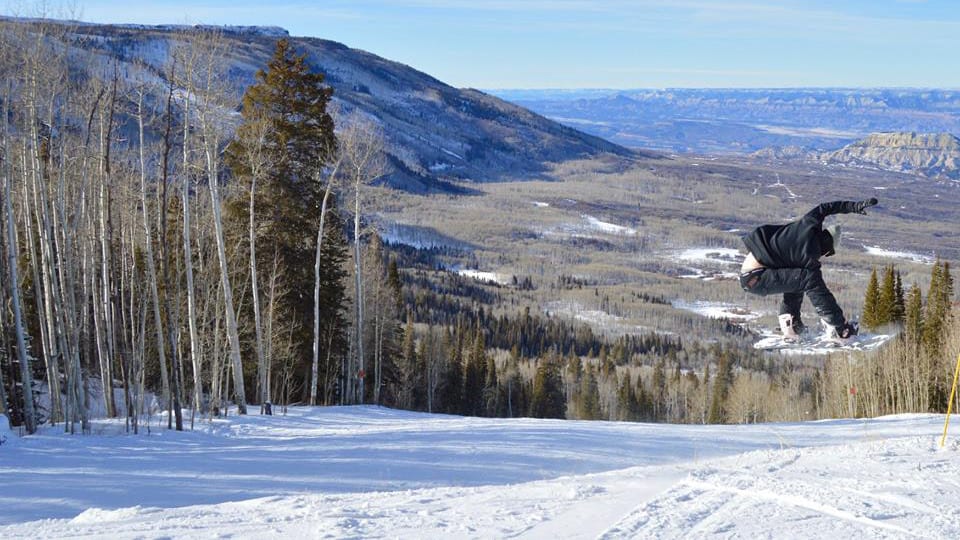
829,240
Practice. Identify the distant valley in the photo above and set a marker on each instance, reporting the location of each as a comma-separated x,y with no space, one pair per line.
725,121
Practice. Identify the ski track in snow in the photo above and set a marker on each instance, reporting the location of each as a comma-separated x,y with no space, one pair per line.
361,472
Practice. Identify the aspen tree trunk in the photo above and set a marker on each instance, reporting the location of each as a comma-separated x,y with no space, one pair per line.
316,288
106,238
151,267
26,379
6,178
59,243
262,381
271,310
211,148
165,264
358,288
232,331
187,242
124,321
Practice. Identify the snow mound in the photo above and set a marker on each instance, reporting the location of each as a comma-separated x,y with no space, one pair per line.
99,515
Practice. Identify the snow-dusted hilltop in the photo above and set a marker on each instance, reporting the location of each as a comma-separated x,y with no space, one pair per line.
364,472
434,131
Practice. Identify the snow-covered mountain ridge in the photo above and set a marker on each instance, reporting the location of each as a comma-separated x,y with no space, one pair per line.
361,472
434,131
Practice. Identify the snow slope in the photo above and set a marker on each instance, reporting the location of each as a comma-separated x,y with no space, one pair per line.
361,472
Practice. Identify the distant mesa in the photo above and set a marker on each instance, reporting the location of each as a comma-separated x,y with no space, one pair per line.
930,155
933,155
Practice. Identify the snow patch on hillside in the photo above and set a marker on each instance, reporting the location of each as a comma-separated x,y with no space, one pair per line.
606,227
712,255
489,277
596,318
588,227
906,255
718,310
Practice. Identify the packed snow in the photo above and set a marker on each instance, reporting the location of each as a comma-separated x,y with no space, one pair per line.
906,255
725,256
367,472
820,344
479,275
722,262
588,227
606,227
718,310
599,319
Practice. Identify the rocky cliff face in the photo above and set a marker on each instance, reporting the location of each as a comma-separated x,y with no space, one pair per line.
932,155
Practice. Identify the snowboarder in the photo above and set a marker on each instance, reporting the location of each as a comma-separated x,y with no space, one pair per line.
785,259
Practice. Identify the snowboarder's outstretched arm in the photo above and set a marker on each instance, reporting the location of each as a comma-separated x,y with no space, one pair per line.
841,207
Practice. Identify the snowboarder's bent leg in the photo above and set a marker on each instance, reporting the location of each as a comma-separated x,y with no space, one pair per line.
792,301
821,298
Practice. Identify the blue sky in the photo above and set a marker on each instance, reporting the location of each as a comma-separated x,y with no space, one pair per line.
613,43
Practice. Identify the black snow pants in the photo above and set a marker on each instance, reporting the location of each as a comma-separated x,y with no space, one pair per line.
793,283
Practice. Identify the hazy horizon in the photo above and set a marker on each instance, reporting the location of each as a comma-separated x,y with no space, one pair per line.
618,44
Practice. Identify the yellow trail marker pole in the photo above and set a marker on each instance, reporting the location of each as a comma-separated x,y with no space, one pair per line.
953,392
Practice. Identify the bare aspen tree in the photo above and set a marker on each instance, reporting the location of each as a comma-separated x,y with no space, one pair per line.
61,245
106,237
26,379
150,261
361,143
164,254
330,174
212,125
255,158
189,58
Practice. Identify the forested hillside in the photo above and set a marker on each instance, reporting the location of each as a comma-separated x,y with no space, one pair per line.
170,244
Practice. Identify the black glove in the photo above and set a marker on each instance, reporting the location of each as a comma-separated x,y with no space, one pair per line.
848,329
861,207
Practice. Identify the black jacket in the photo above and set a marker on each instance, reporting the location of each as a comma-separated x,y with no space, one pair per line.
796,244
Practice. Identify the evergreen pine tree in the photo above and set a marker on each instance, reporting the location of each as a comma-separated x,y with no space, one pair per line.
408,367
913,316
887,299
297,142
491,388
589,397
659,388
899,304
548,400
871,303
721,387
934,316
451,390
626,400
473,377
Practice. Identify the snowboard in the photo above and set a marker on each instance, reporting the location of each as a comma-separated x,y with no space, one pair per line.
818,342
